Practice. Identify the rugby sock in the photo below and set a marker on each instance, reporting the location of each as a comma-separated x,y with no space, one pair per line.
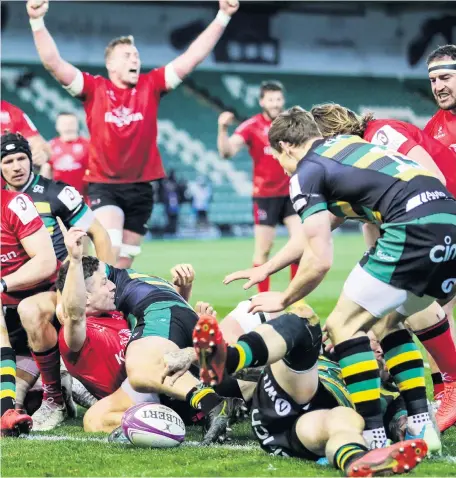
229,387
347,454
8,378
362,378
238,356
203,398
293,270
437,382
405,364
263,286
49,365
439,342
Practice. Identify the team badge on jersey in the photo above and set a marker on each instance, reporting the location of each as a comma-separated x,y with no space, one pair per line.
23,208
70,197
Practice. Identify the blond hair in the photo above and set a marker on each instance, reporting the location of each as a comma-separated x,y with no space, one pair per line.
333,119
125,40
294,126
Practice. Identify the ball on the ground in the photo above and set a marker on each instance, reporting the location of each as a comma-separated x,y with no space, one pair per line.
152,425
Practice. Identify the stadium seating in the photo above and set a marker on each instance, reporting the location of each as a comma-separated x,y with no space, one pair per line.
188,119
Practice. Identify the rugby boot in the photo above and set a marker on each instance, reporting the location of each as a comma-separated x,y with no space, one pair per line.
446,414
210,348
49,416
431,436
395,459
81,395
118,436
15,422
218,420
67,390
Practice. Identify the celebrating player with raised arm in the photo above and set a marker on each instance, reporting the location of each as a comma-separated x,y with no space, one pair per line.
27,265
122,121
271,202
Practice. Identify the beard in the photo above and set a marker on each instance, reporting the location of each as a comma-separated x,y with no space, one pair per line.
446,105
272,113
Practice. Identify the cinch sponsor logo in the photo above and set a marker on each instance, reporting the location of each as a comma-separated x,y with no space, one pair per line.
122,116
7,257
443,253
423,198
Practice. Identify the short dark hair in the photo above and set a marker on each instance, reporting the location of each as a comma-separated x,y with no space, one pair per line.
89,266
295,126
124,40
442,51
271,85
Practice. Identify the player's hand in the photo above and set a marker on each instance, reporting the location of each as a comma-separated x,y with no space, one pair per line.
255,276
267,302
177,363
73,240
225,119
183,275
37,8
229,6
329,347
204,308
39,156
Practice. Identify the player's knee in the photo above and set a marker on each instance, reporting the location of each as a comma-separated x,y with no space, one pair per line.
31,315
93,421
344,418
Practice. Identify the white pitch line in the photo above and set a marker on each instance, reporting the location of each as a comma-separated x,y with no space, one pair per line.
105,440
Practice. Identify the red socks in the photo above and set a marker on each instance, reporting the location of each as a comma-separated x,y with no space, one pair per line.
293,270
438,341
264,285
49,365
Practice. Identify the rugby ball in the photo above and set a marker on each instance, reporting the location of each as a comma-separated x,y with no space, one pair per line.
152,425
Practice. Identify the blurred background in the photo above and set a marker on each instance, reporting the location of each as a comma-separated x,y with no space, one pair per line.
369,56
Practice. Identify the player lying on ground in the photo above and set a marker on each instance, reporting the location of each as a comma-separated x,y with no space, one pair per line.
349,177
299,410
333,119
28,265
161,321
271,201
36,312
119,108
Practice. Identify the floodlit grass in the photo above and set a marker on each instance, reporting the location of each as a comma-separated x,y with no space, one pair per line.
68,451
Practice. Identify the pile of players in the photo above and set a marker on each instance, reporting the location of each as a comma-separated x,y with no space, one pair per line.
128,337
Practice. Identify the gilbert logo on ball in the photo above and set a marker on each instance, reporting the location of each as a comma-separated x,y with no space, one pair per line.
152,425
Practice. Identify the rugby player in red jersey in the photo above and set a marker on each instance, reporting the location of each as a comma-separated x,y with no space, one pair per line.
442,126
70,153
15,120
122,120
271,201
27,263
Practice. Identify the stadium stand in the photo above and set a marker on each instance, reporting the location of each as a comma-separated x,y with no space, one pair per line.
188,119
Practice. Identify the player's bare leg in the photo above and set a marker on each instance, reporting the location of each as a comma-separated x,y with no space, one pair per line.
131,247
145,367
12,422
37,313
264,240
112,218
106,414
26,377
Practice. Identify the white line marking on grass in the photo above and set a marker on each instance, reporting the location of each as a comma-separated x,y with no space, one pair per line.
246,447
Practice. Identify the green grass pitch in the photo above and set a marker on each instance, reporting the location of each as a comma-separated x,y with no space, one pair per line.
68,451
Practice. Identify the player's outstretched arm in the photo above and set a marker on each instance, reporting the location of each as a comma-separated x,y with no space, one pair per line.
202,46
424,159
74,294
64,72
42,263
